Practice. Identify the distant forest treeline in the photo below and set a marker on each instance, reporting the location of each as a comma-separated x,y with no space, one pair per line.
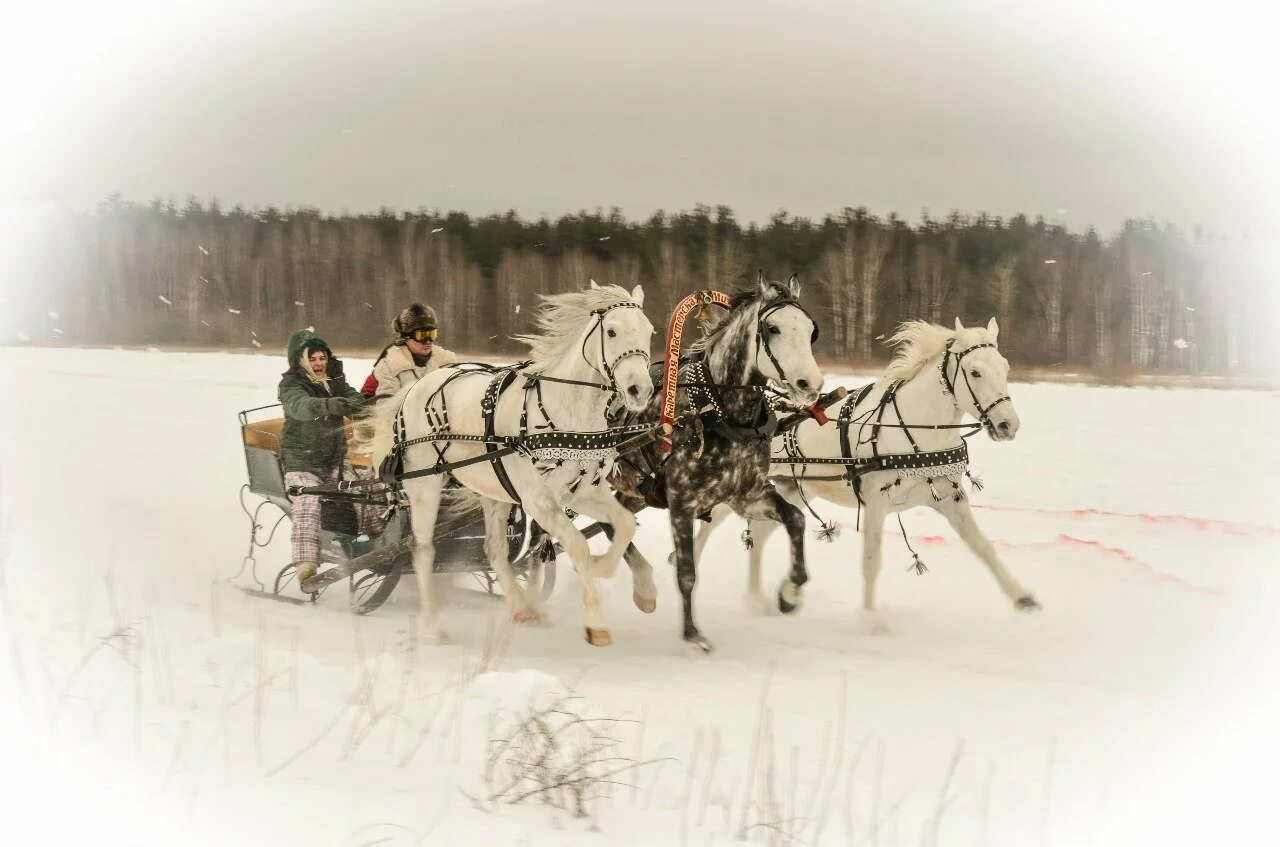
1147,299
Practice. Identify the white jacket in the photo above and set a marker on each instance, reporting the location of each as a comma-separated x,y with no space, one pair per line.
396,369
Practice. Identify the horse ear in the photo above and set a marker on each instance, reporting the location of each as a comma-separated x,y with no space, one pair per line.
760,283
993,330
593,284
959,326
793,285
637,294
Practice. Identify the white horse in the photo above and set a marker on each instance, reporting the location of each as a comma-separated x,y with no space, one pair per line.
594,347
935,379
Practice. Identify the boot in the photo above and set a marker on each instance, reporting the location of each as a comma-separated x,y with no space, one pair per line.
306,570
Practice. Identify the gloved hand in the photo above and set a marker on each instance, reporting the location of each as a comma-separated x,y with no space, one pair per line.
339,406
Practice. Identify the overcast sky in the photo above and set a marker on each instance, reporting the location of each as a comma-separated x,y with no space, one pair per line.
554,106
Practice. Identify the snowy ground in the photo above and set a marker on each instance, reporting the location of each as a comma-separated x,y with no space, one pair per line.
143,697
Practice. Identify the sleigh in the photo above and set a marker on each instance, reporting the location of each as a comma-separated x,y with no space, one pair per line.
371,563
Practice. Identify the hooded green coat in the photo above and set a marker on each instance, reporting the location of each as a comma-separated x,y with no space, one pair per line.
313,439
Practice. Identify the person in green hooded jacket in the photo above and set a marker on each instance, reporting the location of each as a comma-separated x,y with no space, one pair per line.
316,397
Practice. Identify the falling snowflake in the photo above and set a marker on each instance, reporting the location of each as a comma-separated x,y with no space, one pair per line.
297,302
53,315
255,342
202,250
55,329
605,238
517,308
233,311
254,334
1181,343
165,300
370,305
1051,261
202,279
206,323
437,229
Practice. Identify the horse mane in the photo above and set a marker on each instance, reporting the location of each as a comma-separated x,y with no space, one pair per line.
919,341
741,299
562,316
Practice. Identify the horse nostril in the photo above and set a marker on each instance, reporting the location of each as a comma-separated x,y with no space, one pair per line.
802,384
634,391
1003,426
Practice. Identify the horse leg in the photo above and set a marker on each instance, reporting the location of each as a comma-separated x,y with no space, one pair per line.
496,514
544,509
774,507
644,591
424,506
702,533
754,598
960,515
686,572
620,528
872,537
599,505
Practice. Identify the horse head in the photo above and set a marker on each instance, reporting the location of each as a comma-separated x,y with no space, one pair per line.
785,334
978,378
618,346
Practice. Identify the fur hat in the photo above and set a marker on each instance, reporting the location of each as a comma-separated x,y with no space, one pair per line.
414,317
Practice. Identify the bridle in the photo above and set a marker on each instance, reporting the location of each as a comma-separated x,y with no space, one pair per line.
949,383
607,368
762,337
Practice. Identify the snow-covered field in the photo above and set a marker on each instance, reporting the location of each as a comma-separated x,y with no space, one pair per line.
144,699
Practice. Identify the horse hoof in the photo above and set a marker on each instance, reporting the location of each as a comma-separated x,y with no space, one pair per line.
788,606
599,637
645,604
700,642
1028,604
527,616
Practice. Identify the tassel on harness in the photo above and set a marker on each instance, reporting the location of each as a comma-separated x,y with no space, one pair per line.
917,565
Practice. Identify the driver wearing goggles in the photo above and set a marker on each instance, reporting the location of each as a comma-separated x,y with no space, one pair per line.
411,356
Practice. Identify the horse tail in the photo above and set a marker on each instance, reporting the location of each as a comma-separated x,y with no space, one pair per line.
375,434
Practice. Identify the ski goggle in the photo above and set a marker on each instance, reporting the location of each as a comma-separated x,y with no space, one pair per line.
421,335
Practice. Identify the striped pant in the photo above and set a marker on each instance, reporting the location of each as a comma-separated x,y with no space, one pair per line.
306,512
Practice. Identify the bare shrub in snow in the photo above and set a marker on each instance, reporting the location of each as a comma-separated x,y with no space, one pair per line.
558,754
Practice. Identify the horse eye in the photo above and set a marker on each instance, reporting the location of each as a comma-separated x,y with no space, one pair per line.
975,374
773,330
612,334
